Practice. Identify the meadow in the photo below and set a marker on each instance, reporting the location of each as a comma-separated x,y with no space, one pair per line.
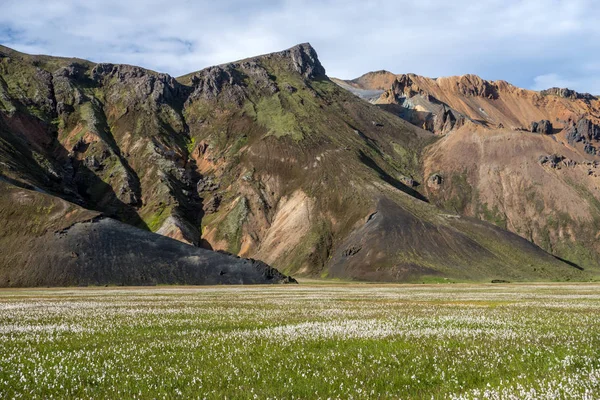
351,341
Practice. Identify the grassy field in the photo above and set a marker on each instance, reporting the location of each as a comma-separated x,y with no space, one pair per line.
306,341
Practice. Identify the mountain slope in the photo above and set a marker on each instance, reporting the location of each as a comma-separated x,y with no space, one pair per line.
521,159
265,157
47,241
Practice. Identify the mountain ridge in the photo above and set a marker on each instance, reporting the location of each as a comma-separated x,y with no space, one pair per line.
265,158
495,140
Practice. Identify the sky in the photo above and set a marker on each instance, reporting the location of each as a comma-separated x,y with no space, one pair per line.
535,44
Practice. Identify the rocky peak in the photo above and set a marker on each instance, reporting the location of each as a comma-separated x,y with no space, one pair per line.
301,58
228,81
305,61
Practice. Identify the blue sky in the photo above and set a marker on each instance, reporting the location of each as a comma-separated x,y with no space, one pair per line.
534,44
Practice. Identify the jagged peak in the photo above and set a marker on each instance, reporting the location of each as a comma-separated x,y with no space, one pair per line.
302,58
230,78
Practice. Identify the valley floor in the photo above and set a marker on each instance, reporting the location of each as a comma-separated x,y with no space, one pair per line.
307,341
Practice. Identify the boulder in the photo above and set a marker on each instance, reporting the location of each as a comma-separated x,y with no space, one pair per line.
588,148
436,179
552,160
544,127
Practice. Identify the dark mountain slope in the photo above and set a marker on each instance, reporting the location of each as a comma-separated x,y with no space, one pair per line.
46,241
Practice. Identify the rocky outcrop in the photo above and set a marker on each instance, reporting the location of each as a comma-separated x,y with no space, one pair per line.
68,95
447,121
435,180
473,85
207,184
583,130
212,81
544,127
589,149
404,85
552,160
304,61
566,93
160,88
212,204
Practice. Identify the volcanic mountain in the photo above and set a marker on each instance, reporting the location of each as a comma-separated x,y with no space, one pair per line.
264,158
526,161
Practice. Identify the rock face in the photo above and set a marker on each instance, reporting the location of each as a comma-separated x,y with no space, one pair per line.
305,61
583,130
263,158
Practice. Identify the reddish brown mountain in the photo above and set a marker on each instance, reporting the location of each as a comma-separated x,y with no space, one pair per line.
524,160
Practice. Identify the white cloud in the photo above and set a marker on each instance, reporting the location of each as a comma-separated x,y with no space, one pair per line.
516,40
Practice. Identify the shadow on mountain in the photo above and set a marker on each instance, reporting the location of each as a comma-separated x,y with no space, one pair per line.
63,176
369,162
572,264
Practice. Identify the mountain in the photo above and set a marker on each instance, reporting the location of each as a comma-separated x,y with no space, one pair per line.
526,161
264,158
62,176
47,241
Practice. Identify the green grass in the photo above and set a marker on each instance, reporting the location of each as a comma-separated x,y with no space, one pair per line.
307,341
155,220
494,215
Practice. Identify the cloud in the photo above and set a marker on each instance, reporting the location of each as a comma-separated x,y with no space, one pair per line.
516,40
547,81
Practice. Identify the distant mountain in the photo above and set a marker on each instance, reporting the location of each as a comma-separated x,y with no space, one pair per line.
526,161
264,158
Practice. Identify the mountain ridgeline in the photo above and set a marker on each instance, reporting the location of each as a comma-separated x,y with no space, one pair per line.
116,174
523,160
